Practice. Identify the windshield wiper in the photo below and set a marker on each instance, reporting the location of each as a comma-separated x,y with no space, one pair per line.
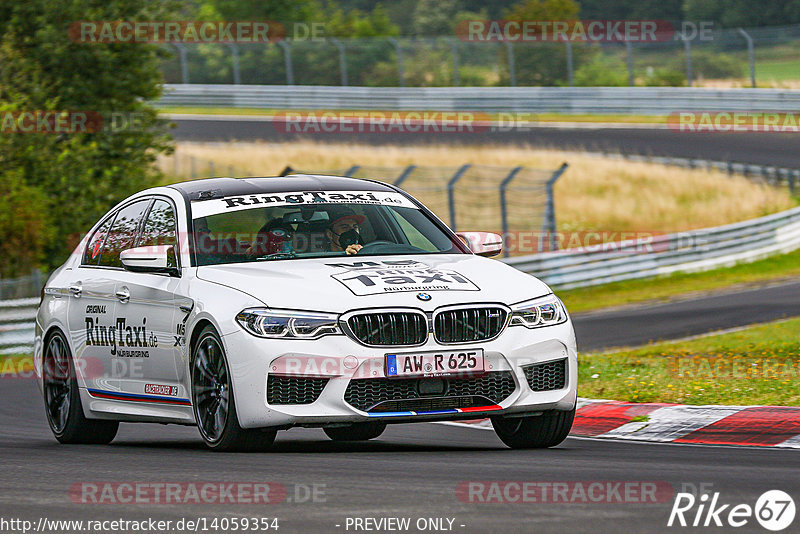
278,256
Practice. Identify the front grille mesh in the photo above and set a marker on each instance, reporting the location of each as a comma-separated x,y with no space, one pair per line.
389,328
547,376
495,387
469,324
294,390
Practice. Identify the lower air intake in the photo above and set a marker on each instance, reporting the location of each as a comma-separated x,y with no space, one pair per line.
294,390
547,376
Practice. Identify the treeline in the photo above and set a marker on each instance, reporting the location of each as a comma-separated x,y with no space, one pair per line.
428,18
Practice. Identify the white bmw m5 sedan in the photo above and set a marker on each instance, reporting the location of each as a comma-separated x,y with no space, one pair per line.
248,306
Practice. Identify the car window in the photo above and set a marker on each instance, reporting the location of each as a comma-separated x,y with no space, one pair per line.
159,228
284,226
411,231
122,235
95,244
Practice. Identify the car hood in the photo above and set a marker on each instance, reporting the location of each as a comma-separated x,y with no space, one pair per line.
340,284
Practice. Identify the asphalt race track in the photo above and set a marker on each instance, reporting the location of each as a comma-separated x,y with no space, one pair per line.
638,325
780,149
411,471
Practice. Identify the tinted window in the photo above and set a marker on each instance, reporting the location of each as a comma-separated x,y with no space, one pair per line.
311,231
159,228
95,245
123,233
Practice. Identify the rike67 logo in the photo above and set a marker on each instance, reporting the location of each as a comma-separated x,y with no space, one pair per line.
774,510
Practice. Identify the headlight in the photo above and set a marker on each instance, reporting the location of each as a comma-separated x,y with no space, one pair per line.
544,311
263,322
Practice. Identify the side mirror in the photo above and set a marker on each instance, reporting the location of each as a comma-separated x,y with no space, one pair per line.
152,259
483,243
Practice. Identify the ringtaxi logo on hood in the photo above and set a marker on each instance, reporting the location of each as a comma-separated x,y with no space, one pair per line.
376,277
203,208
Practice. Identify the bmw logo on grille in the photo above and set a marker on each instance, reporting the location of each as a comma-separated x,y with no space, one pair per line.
424,297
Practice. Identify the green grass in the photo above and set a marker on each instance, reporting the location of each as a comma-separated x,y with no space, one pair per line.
541,117
669,287
780,70
757,365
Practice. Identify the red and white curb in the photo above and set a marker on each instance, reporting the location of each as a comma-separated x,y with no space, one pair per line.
759,426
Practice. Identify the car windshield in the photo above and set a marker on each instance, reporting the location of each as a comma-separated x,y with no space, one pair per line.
285,226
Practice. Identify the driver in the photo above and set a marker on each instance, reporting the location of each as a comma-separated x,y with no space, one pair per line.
343,230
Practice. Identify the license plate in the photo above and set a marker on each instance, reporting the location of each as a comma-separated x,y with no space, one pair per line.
444,363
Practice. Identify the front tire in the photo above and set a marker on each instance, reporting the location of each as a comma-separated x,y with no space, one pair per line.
62,399
535,432
213,400
356,431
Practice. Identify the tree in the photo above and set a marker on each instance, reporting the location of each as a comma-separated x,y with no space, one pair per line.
545,63
81,174
669,10
744,13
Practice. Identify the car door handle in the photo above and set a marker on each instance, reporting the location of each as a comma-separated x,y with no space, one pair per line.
123,295
75,290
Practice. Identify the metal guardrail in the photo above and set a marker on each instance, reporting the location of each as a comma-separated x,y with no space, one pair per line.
680,252
634,100
17,325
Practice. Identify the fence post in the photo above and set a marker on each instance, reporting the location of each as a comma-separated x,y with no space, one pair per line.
570,74
792,177
287,59
512,69
687,45
629,54
456,74
503,207
405,174
342,60
237,74
399,51
184,63
352,170
451,193
750,55
550,210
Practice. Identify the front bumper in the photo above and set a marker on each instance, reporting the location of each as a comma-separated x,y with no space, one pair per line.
327,366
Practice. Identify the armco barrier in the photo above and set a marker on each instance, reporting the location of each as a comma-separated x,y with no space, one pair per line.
636,100
17,325
680,252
